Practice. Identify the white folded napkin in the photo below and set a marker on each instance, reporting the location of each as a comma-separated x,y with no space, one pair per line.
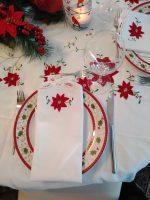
131,128
59,132
135,31
8,101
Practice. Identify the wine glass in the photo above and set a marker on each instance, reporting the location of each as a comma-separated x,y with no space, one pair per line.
104,54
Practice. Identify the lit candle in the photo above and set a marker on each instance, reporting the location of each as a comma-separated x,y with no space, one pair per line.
79,17
83,16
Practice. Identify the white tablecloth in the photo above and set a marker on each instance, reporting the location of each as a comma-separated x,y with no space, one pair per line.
68,53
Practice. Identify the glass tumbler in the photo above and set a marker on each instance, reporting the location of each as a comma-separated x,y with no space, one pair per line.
78,13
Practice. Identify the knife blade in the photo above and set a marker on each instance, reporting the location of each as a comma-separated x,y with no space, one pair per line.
110,115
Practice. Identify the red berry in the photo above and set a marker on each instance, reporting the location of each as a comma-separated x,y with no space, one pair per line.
41,50
43,42
39,42
25,32
40,31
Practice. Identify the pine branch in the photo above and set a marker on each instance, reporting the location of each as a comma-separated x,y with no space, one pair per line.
30,46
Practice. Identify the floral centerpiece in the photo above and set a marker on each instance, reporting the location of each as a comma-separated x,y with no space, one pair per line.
15,31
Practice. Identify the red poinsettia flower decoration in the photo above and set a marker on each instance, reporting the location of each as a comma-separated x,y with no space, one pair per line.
59,102
51,70
132,1
10,22
2,11
11,79
102,80
107,61
86,83
136,31
125,89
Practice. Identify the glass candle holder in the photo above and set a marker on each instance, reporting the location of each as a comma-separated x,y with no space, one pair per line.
78,13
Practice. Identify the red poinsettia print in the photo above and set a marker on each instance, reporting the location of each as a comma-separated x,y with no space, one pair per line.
107,61
11,79
132,1
59,102
125,89
136,31
10,22
102,80
86,83
51,70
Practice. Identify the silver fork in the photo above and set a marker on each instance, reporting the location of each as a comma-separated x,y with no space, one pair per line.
142,80
80,73
116,19
20,100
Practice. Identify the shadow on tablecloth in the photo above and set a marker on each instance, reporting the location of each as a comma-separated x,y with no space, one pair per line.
139,189
8,193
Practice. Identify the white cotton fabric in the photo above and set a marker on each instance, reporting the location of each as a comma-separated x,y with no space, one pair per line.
58,134
140,19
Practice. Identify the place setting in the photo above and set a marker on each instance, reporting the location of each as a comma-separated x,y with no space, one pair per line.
95,142
103,55
99,61
80,118
138,56
137,51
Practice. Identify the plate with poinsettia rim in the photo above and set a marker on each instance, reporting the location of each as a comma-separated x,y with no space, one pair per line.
95,145
133,57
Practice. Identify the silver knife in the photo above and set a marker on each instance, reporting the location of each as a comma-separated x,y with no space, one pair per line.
110,114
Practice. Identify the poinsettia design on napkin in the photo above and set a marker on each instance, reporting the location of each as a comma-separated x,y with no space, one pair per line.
136,30
59,101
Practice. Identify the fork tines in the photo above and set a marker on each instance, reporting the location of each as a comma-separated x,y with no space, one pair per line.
144,80
20,95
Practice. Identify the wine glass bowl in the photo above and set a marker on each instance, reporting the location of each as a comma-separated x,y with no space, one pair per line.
104,53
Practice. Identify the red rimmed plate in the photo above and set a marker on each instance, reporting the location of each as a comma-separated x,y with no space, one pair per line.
141,63
95,131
